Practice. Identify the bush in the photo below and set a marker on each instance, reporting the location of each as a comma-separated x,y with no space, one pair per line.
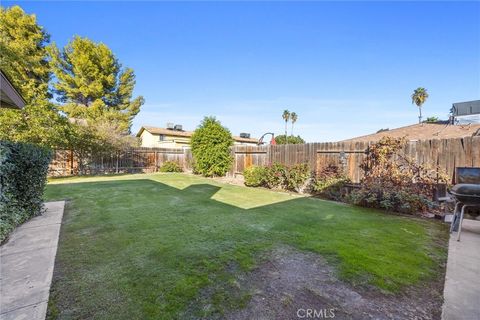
23,175
294,178
291,139
254,176
275,176
330,183
297,177
398,200
170,166
394,182
211,144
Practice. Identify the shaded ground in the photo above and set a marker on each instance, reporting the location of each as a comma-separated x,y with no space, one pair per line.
292,283
174,246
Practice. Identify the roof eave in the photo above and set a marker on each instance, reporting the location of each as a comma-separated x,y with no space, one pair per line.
18,102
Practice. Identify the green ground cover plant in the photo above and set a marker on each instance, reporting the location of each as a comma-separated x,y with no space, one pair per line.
166,246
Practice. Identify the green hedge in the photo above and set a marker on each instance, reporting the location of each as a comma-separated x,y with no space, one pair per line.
23,175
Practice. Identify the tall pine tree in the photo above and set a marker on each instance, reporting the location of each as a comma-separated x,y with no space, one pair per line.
92,85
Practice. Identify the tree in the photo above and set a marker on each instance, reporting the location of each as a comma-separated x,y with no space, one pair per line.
293,118
101,138
419,96
432,119
92,84
24,60
211,144
291,139
286,118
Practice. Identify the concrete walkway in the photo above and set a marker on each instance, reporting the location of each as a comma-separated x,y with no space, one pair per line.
462,282
26,265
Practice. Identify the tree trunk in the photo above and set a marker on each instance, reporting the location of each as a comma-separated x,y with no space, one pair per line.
420,116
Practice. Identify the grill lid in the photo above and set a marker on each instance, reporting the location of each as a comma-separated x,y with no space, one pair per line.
466,189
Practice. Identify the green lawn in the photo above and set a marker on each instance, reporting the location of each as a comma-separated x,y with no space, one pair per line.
150,246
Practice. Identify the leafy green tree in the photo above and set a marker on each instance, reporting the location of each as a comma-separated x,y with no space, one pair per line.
24,60
92,85
291,139
432,119
210,145
286,118
419,96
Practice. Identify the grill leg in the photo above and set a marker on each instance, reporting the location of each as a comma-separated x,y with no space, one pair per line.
456,213
460,223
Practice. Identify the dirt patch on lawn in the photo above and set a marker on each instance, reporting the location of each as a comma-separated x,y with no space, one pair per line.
237,179
292,285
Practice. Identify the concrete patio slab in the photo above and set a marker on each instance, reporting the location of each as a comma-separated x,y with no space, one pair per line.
462,282
26,265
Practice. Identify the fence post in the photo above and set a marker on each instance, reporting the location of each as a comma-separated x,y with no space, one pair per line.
71,162
116,163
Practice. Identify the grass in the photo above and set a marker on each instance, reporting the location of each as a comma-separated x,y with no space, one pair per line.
170,245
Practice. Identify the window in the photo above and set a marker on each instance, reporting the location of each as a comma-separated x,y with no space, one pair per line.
161,137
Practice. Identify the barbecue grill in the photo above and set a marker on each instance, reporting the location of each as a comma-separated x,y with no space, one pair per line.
466,194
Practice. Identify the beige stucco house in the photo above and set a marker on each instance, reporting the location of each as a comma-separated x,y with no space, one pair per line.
153,137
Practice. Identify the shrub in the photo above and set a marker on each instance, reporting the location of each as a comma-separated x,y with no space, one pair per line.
394,182
297,176
211,144
275,176
170,166
294,178
291,139
23,175
398,200
255,176
330,183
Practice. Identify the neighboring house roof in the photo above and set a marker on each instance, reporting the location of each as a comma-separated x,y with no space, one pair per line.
187,134
174,133
9,96
466,108
424,131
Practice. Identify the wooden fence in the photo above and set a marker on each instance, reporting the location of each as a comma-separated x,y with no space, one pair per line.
67,163
447,154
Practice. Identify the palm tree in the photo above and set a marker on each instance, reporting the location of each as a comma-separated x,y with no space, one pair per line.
419,96
286,117
293,118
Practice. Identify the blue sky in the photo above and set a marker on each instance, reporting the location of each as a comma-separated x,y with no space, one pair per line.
346,68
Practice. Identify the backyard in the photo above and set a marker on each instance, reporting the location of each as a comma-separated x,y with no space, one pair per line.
166,246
